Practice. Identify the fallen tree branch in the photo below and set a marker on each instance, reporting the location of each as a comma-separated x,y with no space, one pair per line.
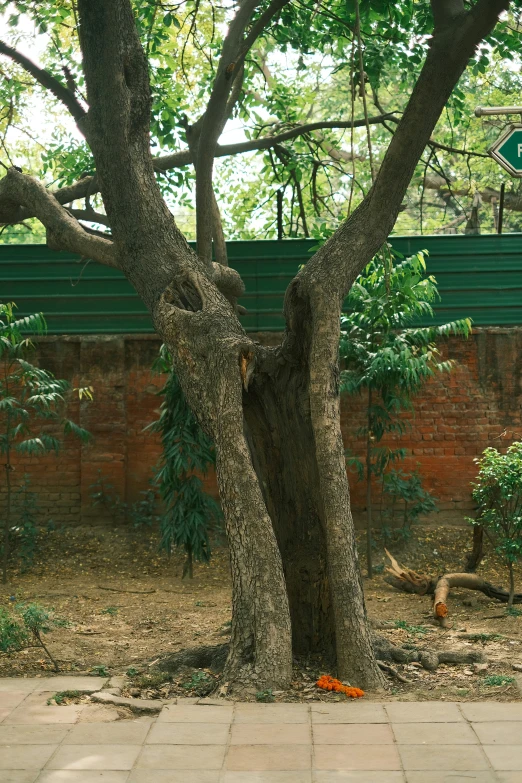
411,582
121,590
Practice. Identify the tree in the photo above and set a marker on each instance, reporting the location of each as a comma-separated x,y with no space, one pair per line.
498,495
389,358
190,514
272,413
29,396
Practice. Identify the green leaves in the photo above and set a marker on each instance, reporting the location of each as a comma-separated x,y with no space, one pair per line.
29,396
498,495
380,348
190,513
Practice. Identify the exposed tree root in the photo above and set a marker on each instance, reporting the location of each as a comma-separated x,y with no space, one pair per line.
385,667
429,659
411,582
212,658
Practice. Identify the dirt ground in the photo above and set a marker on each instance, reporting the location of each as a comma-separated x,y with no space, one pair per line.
127,606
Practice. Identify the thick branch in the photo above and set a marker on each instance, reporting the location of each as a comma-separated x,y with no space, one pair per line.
46,79
90,216
445,11
210,126
512,201
88,186
341,259
64,232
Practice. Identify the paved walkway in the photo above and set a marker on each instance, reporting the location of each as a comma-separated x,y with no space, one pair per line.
396,742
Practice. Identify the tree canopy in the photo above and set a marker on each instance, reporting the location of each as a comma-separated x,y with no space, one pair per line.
300,90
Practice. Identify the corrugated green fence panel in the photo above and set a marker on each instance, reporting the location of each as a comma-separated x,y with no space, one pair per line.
478,276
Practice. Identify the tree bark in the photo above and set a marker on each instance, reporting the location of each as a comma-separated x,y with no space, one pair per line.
273,414
477,553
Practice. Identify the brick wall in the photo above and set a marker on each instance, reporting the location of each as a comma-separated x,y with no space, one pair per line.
453,420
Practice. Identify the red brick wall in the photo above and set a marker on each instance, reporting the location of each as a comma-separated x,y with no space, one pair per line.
453,420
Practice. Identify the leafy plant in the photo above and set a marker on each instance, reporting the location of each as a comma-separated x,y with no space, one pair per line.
498,495
131,672
29,396
110,610
200,683
387,358
265,696
62,696
23,628
497,679
100,670
409,501
190,513
416,630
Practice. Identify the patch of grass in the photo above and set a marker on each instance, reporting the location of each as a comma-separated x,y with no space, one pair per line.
62,696
497,679
512,611
265,696
131,672
110,610
415,630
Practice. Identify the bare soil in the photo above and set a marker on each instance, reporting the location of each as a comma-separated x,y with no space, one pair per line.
128,606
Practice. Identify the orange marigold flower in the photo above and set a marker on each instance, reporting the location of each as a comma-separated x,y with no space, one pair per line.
328,683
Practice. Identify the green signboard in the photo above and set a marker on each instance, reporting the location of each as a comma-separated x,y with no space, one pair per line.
507,150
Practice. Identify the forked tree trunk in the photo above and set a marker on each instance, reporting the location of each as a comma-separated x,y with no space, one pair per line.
273,414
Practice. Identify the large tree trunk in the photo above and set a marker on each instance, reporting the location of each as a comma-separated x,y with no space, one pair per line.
273,414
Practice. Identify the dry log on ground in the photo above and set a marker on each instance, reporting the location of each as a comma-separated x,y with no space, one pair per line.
411,582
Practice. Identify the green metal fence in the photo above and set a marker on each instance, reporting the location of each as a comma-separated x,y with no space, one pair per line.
478,276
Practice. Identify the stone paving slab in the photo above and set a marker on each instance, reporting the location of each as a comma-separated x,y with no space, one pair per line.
19,775
23,684
82,776
122,732
34,709
70,683
359,742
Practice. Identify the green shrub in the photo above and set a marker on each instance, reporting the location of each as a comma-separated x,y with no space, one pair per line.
498,495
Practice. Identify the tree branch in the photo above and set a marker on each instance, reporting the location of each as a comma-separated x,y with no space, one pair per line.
90,216
445,11
64,232
345,254
512,201
210,126
46,79
88,186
